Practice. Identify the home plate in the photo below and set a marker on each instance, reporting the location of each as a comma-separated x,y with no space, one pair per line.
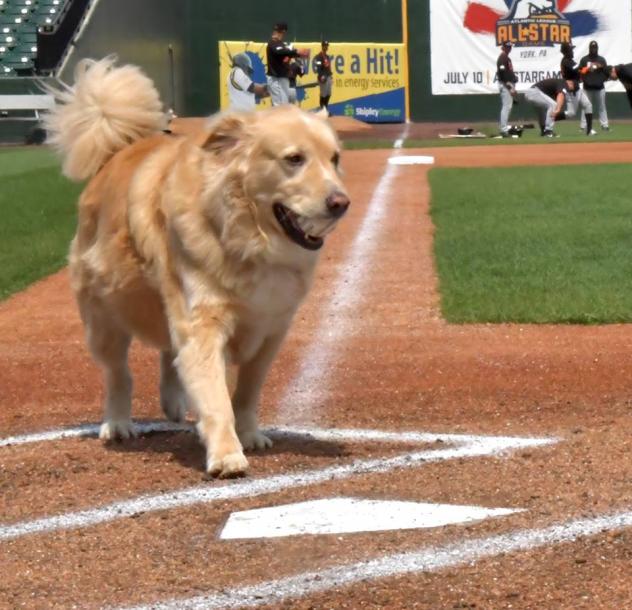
411,160
347,515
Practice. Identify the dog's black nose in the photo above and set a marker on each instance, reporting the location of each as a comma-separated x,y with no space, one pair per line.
337,204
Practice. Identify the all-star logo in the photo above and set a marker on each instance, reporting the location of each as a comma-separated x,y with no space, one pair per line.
533,23
525,9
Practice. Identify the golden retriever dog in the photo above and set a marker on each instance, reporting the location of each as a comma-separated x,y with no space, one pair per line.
202,245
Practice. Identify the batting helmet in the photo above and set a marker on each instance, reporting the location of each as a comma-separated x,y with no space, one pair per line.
241,60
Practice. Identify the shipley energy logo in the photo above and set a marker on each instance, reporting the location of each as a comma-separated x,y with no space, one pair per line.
532,23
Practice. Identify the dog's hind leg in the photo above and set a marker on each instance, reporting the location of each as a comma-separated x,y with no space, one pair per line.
246,397
173,399
109,343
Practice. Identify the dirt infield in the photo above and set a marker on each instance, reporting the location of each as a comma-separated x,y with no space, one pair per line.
369,350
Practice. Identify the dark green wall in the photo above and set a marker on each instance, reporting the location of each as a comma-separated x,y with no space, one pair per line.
139,32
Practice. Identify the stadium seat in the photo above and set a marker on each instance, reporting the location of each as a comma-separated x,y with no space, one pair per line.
19,20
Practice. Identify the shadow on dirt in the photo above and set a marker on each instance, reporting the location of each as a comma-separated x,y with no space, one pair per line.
186,448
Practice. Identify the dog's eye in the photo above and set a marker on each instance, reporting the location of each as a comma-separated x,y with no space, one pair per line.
335,159
295,160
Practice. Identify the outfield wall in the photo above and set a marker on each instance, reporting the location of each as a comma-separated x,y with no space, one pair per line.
378,21
142,30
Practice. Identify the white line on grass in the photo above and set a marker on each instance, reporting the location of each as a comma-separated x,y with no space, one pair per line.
399,143
309,388
205,494
423,560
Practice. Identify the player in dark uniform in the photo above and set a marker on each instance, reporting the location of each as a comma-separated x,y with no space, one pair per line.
549,96
295,71
278,55
592,68
622,73
506,86
578,99
322,66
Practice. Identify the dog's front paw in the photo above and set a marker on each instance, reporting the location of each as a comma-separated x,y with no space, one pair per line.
253,439
231,465
117,429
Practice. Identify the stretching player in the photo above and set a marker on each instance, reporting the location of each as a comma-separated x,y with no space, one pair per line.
549,96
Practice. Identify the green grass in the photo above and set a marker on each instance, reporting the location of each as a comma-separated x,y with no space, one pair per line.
37,207
18,160
541,245
567,130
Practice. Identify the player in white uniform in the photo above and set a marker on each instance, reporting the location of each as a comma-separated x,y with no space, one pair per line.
242,91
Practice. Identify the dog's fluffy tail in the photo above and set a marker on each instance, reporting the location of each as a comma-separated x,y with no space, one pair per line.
107,108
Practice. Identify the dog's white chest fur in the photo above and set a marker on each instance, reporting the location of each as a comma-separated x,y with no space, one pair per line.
278,291
268,310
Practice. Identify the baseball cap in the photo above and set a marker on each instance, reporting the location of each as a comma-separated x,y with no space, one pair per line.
324,42
507,44
565,47
280,26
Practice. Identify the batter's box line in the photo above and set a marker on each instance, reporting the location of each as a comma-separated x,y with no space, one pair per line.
323,434
466,447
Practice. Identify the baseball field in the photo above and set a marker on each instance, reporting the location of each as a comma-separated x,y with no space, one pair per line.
464,358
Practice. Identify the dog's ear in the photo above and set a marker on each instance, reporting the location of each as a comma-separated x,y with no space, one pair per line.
223,133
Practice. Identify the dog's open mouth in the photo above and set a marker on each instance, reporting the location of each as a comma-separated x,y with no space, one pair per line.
300,229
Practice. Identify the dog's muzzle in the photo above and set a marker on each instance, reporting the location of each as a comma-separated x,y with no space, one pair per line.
307,232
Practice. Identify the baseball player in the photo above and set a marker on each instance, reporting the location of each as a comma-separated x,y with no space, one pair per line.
506,86
578,99
242,91
592,68
279,53
295,70
322,65
623,73
549,96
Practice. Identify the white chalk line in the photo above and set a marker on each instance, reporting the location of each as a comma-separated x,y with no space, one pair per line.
309,387
399,143
89,431
430,559
326,434
206,494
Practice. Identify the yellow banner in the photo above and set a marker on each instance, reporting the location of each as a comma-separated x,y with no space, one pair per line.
370,80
